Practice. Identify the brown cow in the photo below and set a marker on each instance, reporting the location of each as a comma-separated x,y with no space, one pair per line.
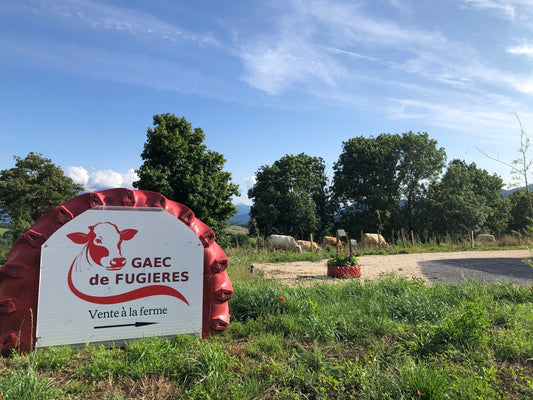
331,242
306,245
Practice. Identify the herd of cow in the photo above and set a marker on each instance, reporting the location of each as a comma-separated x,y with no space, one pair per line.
370,240
288,243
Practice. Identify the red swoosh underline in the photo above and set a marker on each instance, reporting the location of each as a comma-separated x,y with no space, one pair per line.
152,290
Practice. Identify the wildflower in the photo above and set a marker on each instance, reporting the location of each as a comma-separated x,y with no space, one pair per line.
282,298
418,392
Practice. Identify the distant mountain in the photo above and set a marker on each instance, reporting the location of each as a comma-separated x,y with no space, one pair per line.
243,214
507,192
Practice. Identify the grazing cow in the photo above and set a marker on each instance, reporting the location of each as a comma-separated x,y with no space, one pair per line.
374,240
102,247
306,245
283,242
486,239
331,242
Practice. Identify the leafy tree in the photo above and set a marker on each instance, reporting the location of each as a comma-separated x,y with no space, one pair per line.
34,186
521,217
420,163
374,174
366,183
179,166
290,196
467,199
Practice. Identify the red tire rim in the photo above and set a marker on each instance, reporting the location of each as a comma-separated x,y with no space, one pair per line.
353,271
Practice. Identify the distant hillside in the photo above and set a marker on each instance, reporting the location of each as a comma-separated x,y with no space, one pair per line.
242,216
507,192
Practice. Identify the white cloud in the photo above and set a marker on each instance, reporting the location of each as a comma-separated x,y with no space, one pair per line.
506,6
486,122
250,182
331,49
243,198
78,174
335,51
104,17
513,10
524,85
525,49
102,179
290,59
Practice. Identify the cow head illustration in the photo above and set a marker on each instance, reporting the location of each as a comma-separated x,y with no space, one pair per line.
103,245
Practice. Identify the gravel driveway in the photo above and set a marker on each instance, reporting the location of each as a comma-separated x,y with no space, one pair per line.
485,266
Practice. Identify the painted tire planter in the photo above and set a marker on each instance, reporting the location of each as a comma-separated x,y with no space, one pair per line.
344,272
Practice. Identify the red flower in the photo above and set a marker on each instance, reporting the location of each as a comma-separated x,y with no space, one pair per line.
282,298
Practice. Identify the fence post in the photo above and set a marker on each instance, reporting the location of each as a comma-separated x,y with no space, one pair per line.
311,240
412,238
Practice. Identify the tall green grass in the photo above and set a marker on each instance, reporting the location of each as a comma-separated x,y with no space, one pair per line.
391,339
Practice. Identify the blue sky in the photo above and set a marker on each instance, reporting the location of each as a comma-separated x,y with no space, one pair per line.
81,80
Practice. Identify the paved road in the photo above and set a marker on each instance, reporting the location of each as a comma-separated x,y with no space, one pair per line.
455,267
484,269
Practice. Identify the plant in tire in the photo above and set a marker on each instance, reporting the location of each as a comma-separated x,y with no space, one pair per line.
344,266
343,260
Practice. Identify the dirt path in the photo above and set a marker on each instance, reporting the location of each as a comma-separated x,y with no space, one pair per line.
433,268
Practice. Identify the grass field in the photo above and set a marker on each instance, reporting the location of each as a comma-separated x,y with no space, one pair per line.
388,339
391,339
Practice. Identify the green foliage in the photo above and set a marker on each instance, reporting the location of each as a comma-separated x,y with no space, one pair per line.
521,215
365,181
34,186
22,381
290,197
6,241
466,325
373,174
179,166
53,358
420,163
343,260
235,239
467,199
4,252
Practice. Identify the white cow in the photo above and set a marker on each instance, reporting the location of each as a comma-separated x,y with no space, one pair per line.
374,240
283,242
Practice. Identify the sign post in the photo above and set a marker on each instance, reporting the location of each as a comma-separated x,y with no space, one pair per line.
113,266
